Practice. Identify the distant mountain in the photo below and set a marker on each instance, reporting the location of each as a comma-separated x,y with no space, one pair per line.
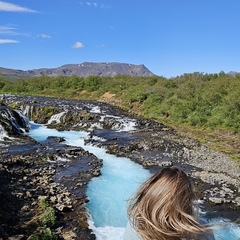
84,70
232,73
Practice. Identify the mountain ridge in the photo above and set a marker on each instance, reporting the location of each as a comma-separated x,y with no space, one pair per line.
84,69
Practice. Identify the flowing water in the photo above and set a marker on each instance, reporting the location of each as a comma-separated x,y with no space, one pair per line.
109,193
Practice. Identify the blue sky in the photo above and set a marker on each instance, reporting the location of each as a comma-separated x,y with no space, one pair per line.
170,37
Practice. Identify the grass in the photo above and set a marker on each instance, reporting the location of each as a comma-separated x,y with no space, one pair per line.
221,140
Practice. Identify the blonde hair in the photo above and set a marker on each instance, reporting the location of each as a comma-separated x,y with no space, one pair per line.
162,208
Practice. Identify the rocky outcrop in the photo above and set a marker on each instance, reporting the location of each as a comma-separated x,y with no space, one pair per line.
13,121
13,126
111,127
27,176
151,144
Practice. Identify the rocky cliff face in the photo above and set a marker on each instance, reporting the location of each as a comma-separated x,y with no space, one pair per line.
84,70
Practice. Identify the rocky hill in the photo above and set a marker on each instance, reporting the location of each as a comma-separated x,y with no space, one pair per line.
84,70
233,73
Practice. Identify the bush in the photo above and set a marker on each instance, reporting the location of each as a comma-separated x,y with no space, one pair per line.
46,220
196,99
45,234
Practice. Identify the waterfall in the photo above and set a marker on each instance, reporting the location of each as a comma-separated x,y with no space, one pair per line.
23,121
115,228
3,133
109,193
13,121
56,118
28,111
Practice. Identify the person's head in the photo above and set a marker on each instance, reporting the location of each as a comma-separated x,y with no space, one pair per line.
162,208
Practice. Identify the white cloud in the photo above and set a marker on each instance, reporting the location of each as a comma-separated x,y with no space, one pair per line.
8,30
100,46
4,41
42,35
10,7
78,45
94,4
12,31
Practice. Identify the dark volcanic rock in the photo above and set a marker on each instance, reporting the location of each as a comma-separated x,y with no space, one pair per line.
151,144
42,171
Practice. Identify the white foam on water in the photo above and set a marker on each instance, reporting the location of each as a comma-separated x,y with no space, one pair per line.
101,118
25,119
121,124
56,118
100,139
110,192
3,133
96,109
108,232
128,125
225,229
3,136
59,159
26,110
95,126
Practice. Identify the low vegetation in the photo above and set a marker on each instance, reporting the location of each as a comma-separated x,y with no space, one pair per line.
204,106
45,220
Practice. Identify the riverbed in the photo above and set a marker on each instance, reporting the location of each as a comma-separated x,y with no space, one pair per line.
110,192
125,144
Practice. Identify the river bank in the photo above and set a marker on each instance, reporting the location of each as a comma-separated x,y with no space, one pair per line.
144,141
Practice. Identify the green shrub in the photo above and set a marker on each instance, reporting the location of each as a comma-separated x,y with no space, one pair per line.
48,217
44,234
195,99
46,220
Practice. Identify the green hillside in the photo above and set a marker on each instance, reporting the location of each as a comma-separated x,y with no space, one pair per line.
204,106
13,77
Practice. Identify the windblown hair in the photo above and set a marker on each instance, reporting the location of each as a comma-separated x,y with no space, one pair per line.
163,208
